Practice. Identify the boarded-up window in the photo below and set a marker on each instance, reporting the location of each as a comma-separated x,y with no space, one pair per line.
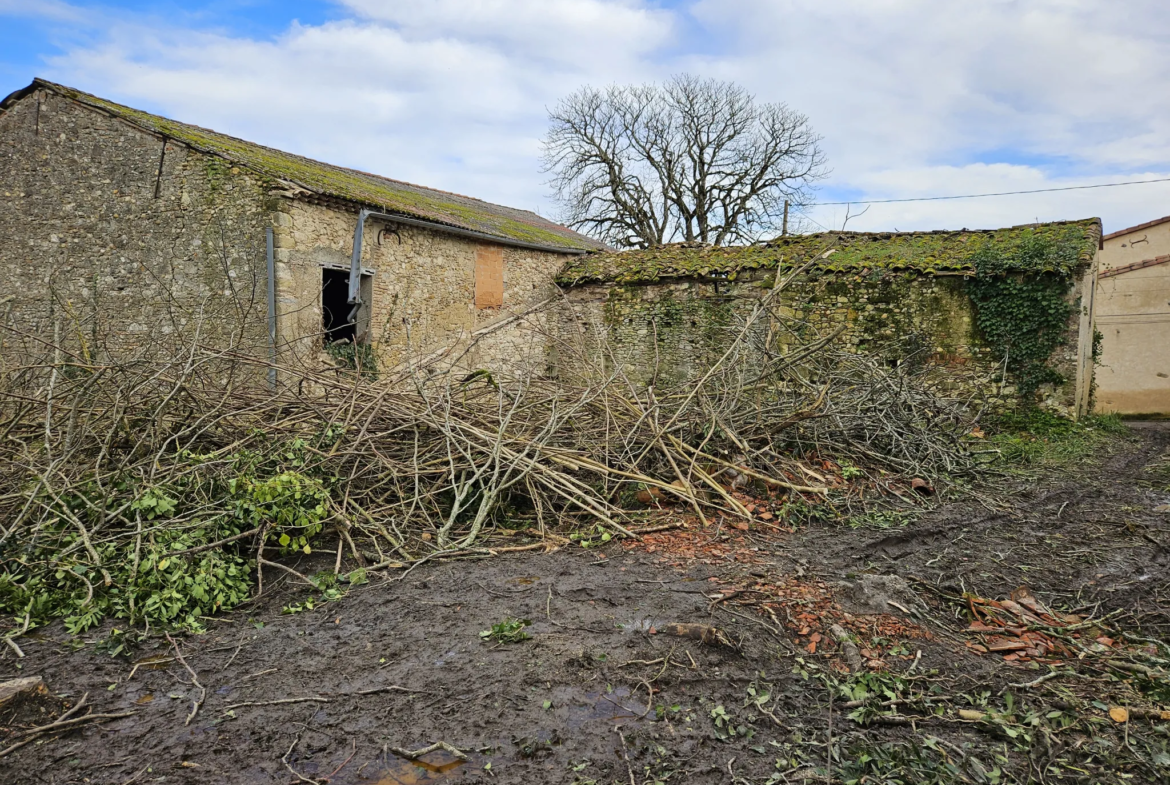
489,276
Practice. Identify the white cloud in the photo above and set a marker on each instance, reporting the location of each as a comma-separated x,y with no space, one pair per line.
458,106
914,97
586,35
1117,207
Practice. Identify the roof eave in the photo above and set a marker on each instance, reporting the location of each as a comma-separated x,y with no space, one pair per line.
1138,228
332,202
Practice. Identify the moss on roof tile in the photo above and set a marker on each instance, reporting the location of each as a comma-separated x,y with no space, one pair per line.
1072,243
391,196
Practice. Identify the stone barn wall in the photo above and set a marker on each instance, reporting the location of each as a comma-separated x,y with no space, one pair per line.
671,332
908,298
116,239
422,287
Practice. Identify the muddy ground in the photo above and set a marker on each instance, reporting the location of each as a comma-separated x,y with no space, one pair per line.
605,689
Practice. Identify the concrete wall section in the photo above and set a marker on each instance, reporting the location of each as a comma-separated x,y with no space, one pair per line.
1135,246
1133,317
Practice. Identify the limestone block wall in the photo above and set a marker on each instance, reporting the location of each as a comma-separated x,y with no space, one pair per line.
116,239
671,331
422,286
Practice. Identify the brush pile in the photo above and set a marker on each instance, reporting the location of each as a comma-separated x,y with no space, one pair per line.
154,490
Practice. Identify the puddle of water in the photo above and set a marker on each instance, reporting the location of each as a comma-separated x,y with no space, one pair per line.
145,699
447,657
610,707
434,767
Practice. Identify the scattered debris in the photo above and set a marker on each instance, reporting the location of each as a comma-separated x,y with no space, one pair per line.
1023,629
878,593
921,487
508,631
19,688
438,745
702,633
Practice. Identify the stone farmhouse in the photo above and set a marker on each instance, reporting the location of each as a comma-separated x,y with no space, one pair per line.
121,227
906,297
1133,315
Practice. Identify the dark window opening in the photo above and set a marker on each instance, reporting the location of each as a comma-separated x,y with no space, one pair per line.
335,307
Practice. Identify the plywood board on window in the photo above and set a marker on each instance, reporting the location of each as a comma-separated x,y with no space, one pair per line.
489,276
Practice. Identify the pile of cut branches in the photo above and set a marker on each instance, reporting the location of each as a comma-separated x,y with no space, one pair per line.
161,490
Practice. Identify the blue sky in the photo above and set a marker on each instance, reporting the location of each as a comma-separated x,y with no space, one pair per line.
912,97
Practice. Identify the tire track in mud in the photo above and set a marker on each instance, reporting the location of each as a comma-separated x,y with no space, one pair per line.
1119,470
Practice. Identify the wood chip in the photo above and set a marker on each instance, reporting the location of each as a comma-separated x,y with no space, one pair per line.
10,690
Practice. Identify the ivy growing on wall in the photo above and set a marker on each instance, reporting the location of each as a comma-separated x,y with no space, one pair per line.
359,357
1024,316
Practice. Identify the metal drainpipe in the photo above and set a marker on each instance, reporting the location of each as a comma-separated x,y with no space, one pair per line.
271,310
355,270
355,262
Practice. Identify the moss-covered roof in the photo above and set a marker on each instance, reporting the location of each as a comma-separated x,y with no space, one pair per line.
1069,243
384,194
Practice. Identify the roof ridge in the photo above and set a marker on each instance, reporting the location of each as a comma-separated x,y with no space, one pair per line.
333,180
1139,227
913,232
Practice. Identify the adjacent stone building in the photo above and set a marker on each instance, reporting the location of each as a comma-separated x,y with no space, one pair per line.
967,305
1133,315
119,227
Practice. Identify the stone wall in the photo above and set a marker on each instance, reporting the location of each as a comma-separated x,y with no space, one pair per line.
115,239
422,285
671,331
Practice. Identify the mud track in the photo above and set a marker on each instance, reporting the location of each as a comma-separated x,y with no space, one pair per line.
602,691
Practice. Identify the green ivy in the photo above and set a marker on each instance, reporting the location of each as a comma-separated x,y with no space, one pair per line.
359,357
155,587
1024,316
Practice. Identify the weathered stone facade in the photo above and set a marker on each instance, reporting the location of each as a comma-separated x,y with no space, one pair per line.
114,235
422,284
668,313
670,332
113,238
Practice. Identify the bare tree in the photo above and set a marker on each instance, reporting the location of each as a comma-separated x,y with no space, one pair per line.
692,160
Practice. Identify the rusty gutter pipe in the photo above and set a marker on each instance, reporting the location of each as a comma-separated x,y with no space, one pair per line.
271,310
355,268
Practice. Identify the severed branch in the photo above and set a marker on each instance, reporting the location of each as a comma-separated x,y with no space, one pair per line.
195,704
438,745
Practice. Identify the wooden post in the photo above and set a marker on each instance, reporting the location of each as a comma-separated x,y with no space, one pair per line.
784,226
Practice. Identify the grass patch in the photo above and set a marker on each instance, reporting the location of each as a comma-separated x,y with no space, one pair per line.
1040,439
